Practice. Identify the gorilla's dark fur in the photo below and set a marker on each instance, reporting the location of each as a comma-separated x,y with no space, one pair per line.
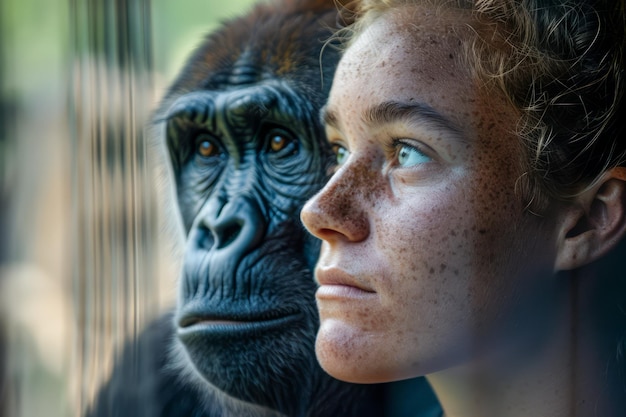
246,149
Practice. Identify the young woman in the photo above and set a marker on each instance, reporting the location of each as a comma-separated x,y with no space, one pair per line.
480,190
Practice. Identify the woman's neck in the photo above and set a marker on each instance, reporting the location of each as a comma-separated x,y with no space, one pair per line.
567,371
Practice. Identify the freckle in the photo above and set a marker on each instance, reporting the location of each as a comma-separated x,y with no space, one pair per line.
442,267
482,231
432,271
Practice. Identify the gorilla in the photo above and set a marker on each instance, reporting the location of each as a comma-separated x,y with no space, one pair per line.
246,149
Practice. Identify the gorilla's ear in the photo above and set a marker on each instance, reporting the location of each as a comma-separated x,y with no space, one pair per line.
594,223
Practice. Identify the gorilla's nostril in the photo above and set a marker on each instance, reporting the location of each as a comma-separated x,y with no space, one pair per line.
228,235
205,238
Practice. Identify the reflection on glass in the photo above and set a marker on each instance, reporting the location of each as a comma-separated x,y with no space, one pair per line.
84,259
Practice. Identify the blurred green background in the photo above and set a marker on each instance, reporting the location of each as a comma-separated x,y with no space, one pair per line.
40,325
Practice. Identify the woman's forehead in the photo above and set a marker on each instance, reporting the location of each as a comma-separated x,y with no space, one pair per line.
410,31
417,19
398,52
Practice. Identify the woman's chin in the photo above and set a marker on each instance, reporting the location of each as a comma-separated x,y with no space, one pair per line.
348,353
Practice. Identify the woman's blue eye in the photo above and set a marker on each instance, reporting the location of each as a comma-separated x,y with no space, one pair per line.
341,154
409,156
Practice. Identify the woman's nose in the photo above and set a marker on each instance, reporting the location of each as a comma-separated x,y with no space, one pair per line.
337,211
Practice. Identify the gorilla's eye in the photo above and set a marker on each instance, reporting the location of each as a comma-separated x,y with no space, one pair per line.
278,142
280,139
206,147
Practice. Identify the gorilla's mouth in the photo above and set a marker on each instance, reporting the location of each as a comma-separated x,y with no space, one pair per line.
194,324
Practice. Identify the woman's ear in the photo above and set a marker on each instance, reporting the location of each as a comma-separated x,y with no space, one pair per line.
594,223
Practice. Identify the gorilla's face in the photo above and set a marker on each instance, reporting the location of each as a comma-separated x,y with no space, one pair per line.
247,150
247,161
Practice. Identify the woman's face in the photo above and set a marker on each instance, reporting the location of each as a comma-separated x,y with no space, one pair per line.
429,259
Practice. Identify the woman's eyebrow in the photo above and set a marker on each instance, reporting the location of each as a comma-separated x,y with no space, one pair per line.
328,117
393,111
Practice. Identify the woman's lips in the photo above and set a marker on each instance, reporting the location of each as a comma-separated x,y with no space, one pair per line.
335,283
336,292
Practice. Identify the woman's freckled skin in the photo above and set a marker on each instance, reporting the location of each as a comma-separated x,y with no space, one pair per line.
433,240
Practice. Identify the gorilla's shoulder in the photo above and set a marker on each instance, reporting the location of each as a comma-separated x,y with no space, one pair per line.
143,384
